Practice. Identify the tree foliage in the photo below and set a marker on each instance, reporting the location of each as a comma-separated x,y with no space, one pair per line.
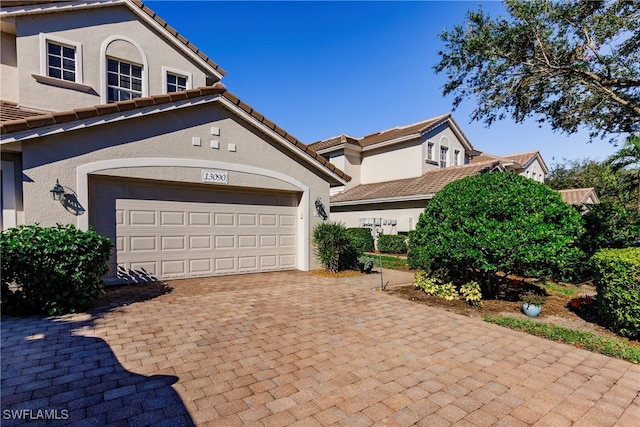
495,222
627,159
570,64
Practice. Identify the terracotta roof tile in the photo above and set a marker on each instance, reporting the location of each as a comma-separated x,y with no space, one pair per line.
426,185
382,136
12,111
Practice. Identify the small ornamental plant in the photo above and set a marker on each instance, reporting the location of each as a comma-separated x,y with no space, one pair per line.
472,293
531,298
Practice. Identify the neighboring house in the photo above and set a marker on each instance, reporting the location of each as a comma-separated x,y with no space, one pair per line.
395,172
580,196
150,148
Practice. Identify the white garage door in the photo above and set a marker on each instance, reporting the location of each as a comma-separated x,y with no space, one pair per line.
168,239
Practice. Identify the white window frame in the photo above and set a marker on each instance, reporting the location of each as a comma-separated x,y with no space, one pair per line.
456,157
430,147
180,73
103,65
45,39
443,162
130,90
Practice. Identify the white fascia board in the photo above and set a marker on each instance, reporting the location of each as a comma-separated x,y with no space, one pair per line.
392,141
384,200
60,7
101,120
283,141
346,147
331,149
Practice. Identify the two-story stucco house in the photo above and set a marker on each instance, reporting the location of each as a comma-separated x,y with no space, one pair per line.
108,108
396,171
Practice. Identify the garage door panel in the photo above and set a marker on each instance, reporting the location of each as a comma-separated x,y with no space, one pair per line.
200,242
172,243
142,243
248,241
225,242
247,220
224,264
268,220
139,217
199,219
226,219
171,218
267,241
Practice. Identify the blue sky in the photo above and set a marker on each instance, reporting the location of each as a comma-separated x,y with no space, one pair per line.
320,69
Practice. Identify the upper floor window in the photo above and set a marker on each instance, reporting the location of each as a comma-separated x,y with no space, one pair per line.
176,83
443,156
124,80
61,61
174,80
430,151
456,157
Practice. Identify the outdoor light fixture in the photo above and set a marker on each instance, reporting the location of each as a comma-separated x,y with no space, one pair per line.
57,192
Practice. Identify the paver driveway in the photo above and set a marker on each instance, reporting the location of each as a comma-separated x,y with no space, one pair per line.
295,348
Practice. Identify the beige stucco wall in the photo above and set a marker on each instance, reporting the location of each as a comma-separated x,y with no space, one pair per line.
350,216
8,68
166,135
402,160
115,30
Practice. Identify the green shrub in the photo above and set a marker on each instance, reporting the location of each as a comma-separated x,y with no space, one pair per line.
333,246
617,280
495,222
361,239
366,263
472,293
392,244
51,270
608,225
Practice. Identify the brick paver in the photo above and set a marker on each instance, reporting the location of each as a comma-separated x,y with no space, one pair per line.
294,348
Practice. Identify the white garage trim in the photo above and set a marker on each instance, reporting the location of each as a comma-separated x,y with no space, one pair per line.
82,185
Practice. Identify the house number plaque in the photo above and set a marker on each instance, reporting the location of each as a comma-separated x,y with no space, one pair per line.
216,177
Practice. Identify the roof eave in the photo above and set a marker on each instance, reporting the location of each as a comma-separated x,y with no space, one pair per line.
413,197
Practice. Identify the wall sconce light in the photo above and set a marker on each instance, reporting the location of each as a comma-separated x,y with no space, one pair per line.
57,192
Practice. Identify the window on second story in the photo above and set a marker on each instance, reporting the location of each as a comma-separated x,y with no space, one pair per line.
61,61
456,157
124,80
443,156
430,151
176,83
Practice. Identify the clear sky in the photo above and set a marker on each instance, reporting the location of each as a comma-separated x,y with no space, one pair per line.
323,68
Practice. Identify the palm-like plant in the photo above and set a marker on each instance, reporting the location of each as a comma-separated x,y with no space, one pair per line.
628,156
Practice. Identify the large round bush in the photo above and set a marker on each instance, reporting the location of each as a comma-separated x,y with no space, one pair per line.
495,222
51,270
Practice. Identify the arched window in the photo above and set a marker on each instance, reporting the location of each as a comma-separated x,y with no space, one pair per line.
124,70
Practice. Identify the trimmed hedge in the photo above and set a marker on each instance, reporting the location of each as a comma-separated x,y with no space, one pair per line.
617,280
361,239
392,244
51,270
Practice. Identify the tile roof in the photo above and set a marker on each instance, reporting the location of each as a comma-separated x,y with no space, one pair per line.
382,136
144,8
579,196
519,158
12,111
14,125
423,186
